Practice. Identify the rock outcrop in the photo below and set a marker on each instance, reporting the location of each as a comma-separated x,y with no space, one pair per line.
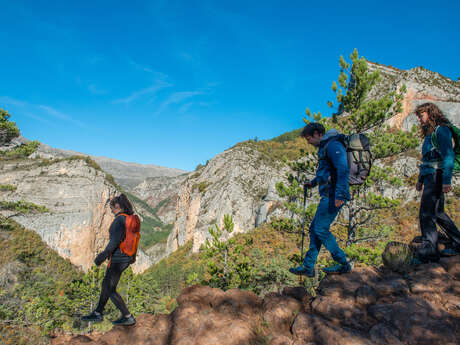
235,182
75,194
161,193
127,175
422,86
366,307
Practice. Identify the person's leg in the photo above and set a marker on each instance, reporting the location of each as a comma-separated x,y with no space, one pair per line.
115,297
106,289
307,268
322,231
427,218
443,220
314,248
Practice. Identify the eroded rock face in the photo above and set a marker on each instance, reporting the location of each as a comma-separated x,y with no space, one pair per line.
422,86
161,193
235,182
366,307
77,223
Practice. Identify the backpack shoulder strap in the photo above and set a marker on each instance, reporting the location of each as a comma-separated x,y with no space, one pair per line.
434,138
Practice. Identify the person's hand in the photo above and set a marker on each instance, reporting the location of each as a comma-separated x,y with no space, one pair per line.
338,203
446,188
308,184
419,186
98,260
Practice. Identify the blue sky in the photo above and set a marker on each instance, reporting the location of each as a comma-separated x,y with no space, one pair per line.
173,83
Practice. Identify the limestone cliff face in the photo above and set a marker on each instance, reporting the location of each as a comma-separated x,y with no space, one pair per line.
75,193
161,193
239,182
422,86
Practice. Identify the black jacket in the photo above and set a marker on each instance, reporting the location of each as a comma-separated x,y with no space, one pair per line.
117,233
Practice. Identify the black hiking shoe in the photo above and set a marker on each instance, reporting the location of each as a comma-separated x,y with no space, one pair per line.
125,321
338,269
301,270
449,252
93,317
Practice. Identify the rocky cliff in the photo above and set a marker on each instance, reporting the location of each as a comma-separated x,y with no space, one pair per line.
422,86
126,174
75,193
239,182
161,193
370,306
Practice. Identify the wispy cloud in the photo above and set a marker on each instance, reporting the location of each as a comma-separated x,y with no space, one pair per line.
178,97
38,118
30,110
11,101
57,114
151,90
138,66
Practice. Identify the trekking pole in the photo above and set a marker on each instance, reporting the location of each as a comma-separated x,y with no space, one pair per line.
304,216
303,225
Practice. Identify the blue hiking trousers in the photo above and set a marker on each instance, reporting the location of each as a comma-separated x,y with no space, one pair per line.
321,235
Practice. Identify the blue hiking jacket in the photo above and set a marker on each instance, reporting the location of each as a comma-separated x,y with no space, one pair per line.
332,161
442,158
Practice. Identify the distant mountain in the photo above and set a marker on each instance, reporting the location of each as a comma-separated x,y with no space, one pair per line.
126,174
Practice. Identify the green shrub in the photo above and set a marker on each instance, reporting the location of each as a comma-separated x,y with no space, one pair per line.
22,207
9,127
22,151
7,188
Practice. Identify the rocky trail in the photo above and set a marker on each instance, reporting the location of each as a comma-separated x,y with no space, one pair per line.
367,306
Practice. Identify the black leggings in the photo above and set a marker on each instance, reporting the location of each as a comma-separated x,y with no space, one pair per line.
109,288
432,213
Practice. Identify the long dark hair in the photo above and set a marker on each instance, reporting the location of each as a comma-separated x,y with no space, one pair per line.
123,202
435,117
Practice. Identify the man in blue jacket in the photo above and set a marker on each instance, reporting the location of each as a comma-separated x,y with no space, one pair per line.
332,180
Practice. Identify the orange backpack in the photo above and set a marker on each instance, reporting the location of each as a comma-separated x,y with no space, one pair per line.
133,235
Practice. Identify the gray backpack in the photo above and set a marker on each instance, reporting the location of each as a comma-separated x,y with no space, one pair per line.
359,156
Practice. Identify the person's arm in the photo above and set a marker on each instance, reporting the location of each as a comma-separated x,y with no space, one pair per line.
116,234
444,138
338,158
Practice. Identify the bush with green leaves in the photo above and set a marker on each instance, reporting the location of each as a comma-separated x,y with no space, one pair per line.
22,151
8,129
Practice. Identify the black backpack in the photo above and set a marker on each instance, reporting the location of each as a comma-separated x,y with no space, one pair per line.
359,156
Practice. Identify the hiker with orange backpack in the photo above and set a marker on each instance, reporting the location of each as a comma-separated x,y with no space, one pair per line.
121,252
439,161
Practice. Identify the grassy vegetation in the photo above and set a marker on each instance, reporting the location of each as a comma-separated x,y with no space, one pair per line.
7,188
201,186
47,292
21,151
22,207
288,146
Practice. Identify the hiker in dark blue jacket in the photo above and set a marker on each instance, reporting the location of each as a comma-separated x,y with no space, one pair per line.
435,179
332,180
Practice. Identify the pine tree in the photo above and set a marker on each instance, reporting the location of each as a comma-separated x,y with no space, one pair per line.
225,266
357,112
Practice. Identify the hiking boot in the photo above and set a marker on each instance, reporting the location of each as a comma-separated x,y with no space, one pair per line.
301,270
338,269
93,317
449,252
125,321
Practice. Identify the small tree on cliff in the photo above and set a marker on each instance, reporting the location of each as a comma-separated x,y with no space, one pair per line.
8,129
357,113
226,268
